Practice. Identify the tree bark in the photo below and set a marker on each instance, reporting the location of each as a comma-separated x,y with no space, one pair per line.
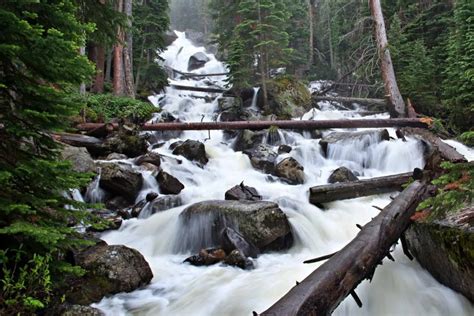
311,32
98,86
118,80
127,52
380,102
260,125
396,104
263,61
354,189
324,289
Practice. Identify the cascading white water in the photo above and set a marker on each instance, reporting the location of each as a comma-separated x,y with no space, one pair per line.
398,288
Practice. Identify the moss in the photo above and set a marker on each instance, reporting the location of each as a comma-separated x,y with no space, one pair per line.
290,95
467,138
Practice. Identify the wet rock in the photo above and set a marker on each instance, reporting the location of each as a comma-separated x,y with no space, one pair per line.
127,142
261,223
138,208
196,61
263,158
77,310
159,136
79,157
117,203
229,104
290,170
232,240
207,257
237,259
170,37
168,183
175,144
151,196
192,150
247,139
150,167
110,270
150,157
367,137
121,180
243,192
342,174
284,149
164,203
116,156
445,247
112,221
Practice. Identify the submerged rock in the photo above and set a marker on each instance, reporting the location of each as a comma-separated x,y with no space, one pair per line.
196,61
110,270
290,170
365,136
79,157
446,249
261,223
342,174
168,183
243,192
120,180
192,150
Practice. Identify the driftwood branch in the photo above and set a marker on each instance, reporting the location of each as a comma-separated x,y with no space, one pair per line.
349,190
259,125
198,89
324,289
378,102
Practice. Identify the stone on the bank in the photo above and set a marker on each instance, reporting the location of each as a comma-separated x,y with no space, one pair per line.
169,184
79,157
192,150
342,174
120,180
242,192
290,170
261,223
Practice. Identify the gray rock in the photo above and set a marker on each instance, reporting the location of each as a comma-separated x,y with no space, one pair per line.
79,157
237,259
168,183
115,156
261,223
229,103
79,310
284,149
120,180
117,203
243,192
196,61
342,174
150,157
247,139
127,142
232,240
166,202
263,158
192,150
365,136
290,171
110,270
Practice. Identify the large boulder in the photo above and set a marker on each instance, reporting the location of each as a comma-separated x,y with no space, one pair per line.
242,192
263,158
109,270
247,139
79,157
261,223
445,247
120,180
342,174
169,184
196,61
192,150
126,141
290,170
365,137
150,157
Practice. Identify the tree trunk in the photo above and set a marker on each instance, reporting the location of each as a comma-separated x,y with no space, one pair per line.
262,61
396,104
260,125
139,67
366,101
98,86
118,81
198,89
311,32
82,87
354,189
127,53
324,289
108,69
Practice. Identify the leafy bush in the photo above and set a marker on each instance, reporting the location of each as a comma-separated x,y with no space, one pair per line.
467,138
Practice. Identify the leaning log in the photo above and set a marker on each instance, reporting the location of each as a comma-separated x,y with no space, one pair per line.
366,101
324,289
198,89
354,189
260,125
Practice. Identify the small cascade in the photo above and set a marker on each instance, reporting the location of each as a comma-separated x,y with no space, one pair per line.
150,185
253,105
94,193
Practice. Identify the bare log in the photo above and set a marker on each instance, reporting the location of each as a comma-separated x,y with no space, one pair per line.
324,289
198,89
396,103
354,189
78,140
379,102
260,125
447,152
193,75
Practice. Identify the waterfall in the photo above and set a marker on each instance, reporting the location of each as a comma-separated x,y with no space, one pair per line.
398,288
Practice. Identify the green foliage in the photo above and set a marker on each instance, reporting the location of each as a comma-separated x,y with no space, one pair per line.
467,138
455,190
105,107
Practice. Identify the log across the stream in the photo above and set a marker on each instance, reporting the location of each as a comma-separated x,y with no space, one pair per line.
353,189
324,289
366,101
259,125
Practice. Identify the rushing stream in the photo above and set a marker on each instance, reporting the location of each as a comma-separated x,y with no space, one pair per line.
398,288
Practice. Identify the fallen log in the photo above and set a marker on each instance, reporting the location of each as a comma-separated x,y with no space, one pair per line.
354,189
380,102
101,131
198,89
446,152
260,125
191,75
324,289
78,140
